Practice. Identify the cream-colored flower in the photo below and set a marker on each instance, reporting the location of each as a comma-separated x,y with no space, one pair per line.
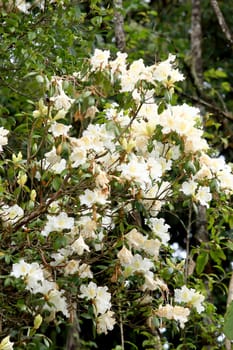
59,129
135,239
177,313
203,195
79,246
71,267
99,59
105,322
125,256
57,223
189,187
190,297
160,229
10,215
165,72
56,301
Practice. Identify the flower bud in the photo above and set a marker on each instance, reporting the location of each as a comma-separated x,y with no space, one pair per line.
17,158
22,178
37,321
33,195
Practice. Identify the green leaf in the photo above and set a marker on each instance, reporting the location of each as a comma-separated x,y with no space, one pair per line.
201,262
56,183
228,322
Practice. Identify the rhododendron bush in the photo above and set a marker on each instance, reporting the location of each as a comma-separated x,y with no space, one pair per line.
108,158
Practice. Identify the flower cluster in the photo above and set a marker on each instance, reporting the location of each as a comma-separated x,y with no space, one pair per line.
98,192
39,281
101,302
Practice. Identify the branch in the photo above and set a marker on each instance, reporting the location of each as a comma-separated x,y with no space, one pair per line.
224,27
210,105
41,209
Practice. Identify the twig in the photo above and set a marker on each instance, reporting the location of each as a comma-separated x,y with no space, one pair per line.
188,242
122,332
209,105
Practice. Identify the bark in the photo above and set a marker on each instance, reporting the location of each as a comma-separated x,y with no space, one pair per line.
73,339
196,51
119,25
221,20
196,42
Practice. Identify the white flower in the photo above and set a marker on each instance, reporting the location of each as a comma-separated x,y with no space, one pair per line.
164,72
45,286
85,271
79,246
20,269
54,162
58,167
189,187
160,229
102,300
191,297
203,195
99,60
6,344
135,170
10,215
177,313
151,247
155,168
57,223
150,283
59,129
225,179
78,156
138,264
22,5
31,273
88,291
61,255
93,197
87,227
52,157
61,101
135,238
105,322
71,267
55,302
119,64
3,137
99,296
125,256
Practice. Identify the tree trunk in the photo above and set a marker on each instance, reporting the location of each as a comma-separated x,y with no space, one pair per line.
196,42
119,24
